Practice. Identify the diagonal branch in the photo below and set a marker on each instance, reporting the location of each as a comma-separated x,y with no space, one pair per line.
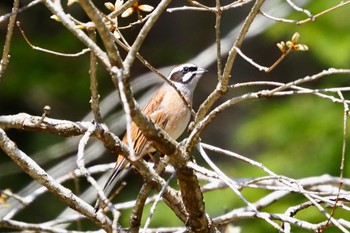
154,16
255,95
38,174
222,86
70,25
107,38
6,53
190,189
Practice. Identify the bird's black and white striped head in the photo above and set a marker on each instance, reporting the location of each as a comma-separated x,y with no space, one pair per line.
186,76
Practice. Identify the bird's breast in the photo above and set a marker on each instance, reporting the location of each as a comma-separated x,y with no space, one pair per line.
178,113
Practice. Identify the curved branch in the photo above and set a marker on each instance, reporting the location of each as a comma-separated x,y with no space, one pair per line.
70,25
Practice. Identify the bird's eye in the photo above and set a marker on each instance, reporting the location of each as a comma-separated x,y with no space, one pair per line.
186,69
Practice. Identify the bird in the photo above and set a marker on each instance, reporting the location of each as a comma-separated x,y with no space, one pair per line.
168,110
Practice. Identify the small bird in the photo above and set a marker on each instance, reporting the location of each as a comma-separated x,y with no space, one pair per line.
168,110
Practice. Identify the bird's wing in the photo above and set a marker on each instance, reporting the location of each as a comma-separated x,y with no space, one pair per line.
152,109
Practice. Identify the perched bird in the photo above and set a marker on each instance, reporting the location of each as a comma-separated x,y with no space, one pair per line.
167,109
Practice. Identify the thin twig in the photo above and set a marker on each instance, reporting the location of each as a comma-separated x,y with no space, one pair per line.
312,18
297,8
222,86
196,6
230,183
32,227
95,97
137,210
263,68
127,111
82,52
81,165
343,153
153,207
259,94
70,25
154,16
297,90
324,12
107,38
37,173
283,20
20,10
7,46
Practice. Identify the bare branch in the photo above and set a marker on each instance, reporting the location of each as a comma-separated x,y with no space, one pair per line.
13,224
297,8
136,213
82,52
37,173
95,97
81,165
6,52
222,85
310,18
256,95
323,12
229,183
26,122
154,16
20,10
107,38
70,25
159,196
343,154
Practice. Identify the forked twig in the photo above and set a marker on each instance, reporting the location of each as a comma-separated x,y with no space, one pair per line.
229,183
82,52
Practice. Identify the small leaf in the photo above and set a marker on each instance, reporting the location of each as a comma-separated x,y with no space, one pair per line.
289,44
128,12
70,2
295,38
4,197
118,4
301,47
282,46
109,6
55,17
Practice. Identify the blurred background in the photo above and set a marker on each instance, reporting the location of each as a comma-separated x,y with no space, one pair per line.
296,136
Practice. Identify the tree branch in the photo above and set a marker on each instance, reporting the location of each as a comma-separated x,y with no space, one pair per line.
6,52
107,38
38,174
154,16
222,86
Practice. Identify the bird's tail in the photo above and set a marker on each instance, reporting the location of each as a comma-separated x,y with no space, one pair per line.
120,170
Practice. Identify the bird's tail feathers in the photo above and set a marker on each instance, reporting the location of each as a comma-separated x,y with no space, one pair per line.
116,176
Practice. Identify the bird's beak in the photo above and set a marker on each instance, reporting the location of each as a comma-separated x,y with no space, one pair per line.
201,71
